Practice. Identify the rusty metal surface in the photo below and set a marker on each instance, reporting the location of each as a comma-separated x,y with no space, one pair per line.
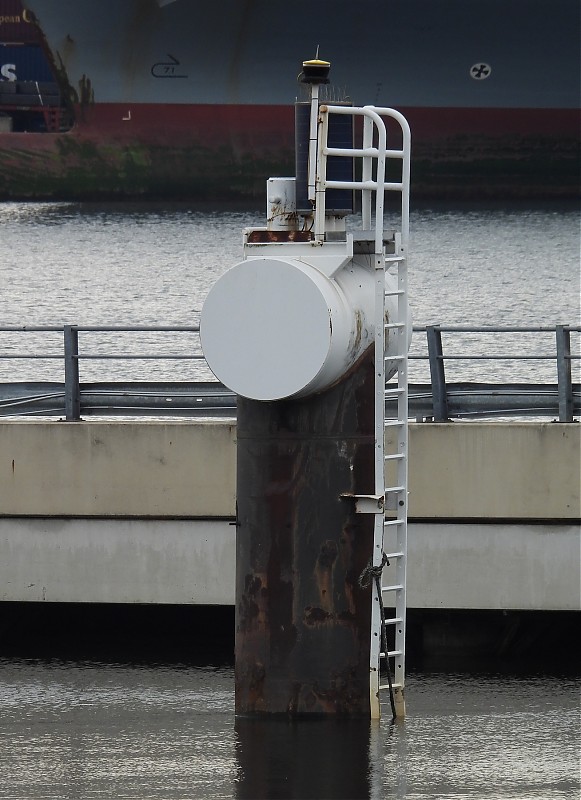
266,237
302,621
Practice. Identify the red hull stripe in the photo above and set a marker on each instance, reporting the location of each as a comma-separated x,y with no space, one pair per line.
208,125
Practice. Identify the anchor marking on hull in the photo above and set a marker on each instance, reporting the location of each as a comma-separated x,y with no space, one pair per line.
167,69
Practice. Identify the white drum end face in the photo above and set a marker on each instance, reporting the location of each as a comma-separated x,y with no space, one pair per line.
266,329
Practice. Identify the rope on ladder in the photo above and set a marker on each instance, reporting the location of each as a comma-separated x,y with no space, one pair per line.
374,573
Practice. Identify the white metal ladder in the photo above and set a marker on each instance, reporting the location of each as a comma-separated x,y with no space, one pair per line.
391,469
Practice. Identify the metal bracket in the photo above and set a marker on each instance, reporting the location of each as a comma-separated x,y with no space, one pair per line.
366,503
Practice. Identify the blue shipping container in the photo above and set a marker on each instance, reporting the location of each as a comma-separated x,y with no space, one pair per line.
24,63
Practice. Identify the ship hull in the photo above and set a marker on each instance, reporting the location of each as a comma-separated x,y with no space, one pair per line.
197,126
218,153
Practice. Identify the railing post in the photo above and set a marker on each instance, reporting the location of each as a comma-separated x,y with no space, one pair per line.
564,384
437,374
72,393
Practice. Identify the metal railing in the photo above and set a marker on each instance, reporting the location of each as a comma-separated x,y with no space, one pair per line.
566,391
436,399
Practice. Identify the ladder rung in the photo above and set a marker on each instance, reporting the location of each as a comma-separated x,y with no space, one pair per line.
393,686
395,555
393,522
394,391
393,259
393,620
389,325
393,423
394,457
394,489
395,292
394,588
391,653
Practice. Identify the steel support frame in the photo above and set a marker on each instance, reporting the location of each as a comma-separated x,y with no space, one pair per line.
565,386
437,373
72,386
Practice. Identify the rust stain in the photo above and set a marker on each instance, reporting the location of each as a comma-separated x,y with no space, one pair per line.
324,574
252,677
267,237
86,92
356,337
251,607
343,695
316,616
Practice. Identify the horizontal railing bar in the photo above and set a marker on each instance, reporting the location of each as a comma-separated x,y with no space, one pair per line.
355,152
196,328
137,356
507,357
361,152
93,356
365,185
511,357
496,328
99,328
39,356
31,328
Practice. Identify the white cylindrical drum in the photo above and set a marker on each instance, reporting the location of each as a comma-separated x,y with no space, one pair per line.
273,328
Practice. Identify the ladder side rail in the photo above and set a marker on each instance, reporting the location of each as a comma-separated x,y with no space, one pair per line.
402,471
379,470
313,142
379,488
321,177
367,173
406,170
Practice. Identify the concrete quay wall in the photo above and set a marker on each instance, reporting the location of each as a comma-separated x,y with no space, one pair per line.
142,512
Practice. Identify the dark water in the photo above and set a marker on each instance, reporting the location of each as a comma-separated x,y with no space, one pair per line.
82,729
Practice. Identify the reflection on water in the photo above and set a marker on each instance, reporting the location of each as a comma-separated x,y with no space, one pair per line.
302,758
79,729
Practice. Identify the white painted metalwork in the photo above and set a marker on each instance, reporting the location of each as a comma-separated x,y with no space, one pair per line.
264,311
388,252
281,204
